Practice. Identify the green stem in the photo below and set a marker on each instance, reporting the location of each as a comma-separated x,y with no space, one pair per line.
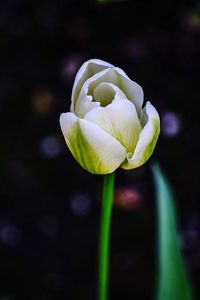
104,245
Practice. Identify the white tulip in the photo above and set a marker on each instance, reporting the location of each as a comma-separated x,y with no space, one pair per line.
107,127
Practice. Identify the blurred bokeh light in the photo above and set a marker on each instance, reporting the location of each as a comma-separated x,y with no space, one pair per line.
170,124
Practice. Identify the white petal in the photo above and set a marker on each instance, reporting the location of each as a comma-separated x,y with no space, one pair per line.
106,92
84,104
120,119
133,90
94,72
147,139
88,69
85,101
95,150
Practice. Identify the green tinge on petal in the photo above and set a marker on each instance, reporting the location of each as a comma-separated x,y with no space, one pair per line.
119,119
147,139
94,149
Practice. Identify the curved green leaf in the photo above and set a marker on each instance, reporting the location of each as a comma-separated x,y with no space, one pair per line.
173,283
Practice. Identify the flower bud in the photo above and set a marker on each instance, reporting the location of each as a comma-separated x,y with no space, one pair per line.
107,127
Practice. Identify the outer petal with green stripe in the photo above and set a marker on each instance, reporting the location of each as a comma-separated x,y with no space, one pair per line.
107,127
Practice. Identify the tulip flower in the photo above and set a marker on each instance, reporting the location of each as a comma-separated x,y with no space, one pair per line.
107,127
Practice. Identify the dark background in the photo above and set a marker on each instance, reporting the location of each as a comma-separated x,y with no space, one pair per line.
49,206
